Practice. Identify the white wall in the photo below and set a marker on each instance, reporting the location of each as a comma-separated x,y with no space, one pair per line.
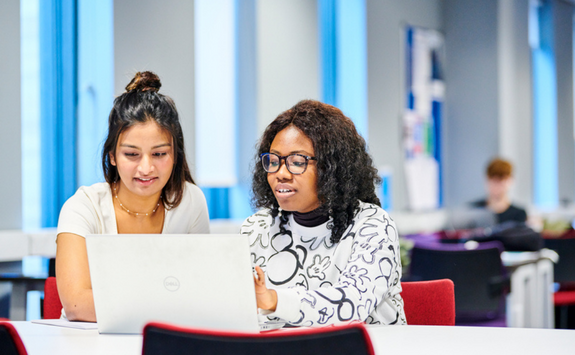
489,96
515,95
287,56
247,99
158,36
386,21
10,134
488,105
278,62
471,76
563,32
487,111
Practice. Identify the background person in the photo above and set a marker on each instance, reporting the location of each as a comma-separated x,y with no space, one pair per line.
508,224
329,252
148,189
499,179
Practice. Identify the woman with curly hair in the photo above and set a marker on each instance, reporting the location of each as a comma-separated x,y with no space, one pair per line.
324,250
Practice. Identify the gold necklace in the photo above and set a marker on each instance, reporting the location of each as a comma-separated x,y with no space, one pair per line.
132,212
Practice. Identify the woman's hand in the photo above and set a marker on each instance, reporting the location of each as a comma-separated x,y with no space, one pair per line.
266,299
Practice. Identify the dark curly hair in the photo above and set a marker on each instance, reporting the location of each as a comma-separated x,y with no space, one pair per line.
139,104
345,171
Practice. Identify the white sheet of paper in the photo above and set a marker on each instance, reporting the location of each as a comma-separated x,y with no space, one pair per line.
67,324
422,177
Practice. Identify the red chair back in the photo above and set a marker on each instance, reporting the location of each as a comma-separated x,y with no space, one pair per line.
429,302
52,304
10,341
351,339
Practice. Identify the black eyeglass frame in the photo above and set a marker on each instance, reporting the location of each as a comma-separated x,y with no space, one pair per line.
284,158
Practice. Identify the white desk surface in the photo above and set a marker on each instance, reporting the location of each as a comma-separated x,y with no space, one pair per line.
44,339
16,244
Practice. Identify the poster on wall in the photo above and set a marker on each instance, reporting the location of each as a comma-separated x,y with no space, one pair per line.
422,117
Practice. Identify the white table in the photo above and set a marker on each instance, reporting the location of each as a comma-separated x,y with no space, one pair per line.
44,339
48,340
16,244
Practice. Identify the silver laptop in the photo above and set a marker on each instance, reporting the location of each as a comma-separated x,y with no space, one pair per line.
201,280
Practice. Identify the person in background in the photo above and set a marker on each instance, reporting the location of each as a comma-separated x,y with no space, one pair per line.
499,181
148,189
324,251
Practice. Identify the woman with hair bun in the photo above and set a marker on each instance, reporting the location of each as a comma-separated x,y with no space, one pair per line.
324,250
148,189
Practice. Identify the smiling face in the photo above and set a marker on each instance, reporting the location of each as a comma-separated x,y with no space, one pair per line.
144,159
294,193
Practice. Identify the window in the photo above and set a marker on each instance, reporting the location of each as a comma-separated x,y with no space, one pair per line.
67,93
545,178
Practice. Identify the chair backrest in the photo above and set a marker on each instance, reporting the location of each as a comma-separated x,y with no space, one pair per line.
478,275
429,302
52,304
10,341
564,269
348,339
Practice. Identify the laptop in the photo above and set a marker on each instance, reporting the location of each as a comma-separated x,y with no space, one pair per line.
196,280
470,218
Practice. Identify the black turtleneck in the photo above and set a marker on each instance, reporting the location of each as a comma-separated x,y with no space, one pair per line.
311,219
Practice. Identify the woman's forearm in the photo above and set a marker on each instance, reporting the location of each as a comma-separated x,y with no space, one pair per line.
80,307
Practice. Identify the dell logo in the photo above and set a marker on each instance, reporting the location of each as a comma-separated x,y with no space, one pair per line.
171,283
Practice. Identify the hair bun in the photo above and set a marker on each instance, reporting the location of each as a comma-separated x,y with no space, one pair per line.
144,81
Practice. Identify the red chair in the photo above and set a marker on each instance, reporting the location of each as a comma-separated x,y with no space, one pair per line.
563,300
10,341
429,302
351,339
52,304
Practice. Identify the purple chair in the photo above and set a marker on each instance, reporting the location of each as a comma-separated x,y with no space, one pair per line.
480,279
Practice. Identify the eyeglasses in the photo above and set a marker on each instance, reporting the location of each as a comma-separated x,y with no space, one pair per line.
295,163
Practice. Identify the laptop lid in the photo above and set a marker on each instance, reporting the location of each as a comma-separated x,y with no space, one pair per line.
191,280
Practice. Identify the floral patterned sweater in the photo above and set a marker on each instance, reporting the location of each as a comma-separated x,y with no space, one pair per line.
321,283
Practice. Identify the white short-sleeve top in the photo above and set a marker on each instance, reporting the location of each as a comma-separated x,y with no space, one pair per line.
91,211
